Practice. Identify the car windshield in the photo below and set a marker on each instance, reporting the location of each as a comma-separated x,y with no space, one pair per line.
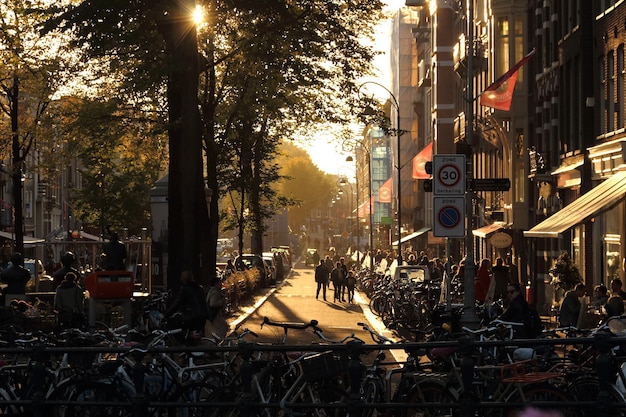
414,275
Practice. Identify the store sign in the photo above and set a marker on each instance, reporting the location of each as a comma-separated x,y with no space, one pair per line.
501,240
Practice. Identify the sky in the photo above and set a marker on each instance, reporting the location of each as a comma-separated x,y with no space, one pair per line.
325,151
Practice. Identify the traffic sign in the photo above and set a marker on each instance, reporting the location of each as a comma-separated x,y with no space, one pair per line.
490,184
449,175
449,216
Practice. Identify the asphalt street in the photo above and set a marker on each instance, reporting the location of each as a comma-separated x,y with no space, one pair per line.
293,300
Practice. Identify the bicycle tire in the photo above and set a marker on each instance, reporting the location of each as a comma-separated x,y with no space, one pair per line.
538,393
432,394
587,388
85,394
373,393
379,304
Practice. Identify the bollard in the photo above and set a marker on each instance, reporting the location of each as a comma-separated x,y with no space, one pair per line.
603,369
37,380
247,373
139,400
468,405
355,374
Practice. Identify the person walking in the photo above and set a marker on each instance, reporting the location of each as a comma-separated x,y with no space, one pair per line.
191,304
501,277
15,276
321,278
69,302
334,278
351,285
482,280
342,276
215,302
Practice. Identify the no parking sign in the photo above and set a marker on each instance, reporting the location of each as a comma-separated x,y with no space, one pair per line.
449,217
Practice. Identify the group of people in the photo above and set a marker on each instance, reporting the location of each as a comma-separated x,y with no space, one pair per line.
342,279
66,282
612,303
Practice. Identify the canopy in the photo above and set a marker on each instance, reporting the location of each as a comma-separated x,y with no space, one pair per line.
412,235
603,197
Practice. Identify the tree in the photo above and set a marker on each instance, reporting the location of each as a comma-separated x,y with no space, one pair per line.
307,186
121,153
146,45
565,272
274,67
33,68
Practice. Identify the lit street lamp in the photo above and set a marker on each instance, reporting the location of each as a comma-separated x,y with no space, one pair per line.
398,166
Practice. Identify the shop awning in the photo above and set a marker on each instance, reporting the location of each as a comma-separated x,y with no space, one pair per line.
485,231
603,197
412,236
28,240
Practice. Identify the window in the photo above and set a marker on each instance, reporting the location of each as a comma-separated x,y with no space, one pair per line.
620,86
502,49
610,92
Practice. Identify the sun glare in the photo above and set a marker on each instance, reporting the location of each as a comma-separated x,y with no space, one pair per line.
198,15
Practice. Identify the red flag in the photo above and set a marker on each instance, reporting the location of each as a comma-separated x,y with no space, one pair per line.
384,191
419,162
499,94
364,208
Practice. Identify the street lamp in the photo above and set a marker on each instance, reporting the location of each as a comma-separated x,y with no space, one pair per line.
343,182
370,208
398,165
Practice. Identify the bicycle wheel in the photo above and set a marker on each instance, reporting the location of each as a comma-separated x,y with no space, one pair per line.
379,304
191,400
373,393
85,397
229,395
587,388
534,394
431,400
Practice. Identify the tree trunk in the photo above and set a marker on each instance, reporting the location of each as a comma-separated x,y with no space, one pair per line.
16,169
188,214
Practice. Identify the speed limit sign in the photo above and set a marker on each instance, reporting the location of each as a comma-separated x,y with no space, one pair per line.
449,175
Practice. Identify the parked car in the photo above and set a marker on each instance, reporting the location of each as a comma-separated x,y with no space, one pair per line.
268,258
249,261
311,257
416,274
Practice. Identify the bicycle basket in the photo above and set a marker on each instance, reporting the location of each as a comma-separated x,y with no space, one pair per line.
323,365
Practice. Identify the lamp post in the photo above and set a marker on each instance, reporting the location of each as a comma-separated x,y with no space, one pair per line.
398,166
344,182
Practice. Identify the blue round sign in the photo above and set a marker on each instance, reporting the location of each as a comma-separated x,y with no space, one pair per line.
449,217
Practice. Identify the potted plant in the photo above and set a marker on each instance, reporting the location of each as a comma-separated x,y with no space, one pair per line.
565,274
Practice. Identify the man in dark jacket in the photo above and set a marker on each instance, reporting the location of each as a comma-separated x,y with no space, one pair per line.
115,254
69,301
321,278
67,260
16,277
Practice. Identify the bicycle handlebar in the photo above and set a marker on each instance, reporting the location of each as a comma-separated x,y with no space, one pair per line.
288,325
376,337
